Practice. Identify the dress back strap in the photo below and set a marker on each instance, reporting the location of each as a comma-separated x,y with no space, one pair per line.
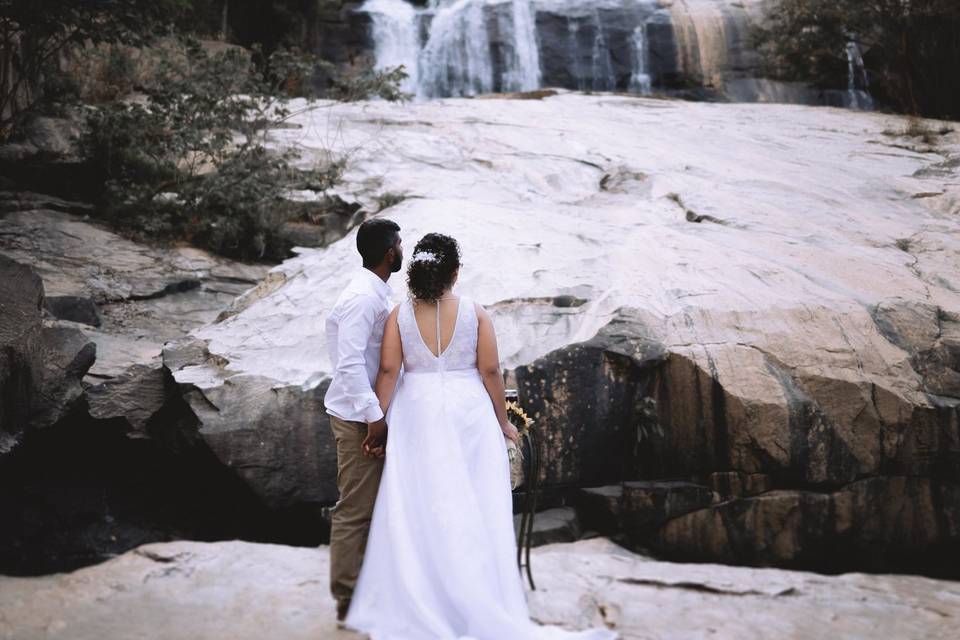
438,328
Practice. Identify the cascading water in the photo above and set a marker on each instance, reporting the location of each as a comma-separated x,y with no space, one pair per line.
640,77
602,68
457,58
858,87
396,42
522,71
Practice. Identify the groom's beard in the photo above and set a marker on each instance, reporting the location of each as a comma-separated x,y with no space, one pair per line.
397,263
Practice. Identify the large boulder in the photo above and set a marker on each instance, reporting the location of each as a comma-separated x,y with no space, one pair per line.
277,438
41,367
731,405
21,348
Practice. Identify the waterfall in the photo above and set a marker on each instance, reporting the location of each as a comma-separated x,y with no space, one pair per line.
640,76
522,71
396,41
457,58
857,98
602,67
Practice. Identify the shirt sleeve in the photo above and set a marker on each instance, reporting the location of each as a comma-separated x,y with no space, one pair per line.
357,321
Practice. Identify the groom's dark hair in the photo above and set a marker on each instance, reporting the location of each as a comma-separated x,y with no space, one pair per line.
374,238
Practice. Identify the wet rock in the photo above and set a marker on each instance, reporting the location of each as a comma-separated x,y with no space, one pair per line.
594,46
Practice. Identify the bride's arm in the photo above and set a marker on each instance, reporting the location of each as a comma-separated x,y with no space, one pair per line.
391,357
488,362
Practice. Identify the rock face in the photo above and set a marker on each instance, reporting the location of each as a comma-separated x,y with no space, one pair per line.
98,449
129,298
262,590
735,304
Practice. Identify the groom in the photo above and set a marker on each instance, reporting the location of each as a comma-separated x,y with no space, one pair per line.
354,333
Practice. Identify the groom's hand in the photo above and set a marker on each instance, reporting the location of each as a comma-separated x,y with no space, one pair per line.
374,445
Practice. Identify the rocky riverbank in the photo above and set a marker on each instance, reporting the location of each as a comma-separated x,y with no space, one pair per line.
737,326
240,590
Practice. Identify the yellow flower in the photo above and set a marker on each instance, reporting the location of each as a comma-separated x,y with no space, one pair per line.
513,409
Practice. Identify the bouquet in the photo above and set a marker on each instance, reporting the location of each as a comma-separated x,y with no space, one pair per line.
522,422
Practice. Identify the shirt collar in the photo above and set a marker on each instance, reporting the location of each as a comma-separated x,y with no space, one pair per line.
383,289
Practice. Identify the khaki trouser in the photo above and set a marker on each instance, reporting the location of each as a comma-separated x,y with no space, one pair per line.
358,478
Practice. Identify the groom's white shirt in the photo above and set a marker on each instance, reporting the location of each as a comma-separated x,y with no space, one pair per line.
354,336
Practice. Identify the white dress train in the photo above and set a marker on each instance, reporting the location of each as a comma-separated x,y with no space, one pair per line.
440,561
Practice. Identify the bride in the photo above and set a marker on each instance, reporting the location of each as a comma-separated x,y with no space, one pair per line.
440,557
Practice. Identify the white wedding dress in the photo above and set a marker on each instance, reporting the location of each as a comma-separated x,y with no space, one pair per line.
440,559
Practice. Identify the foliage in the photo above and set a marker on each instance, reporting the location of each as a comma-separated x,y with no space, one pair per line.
911,48
35,33
189,161
361,81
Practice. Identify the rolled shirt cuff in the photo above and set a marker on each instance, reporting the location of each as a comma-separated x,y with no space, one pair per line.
372,413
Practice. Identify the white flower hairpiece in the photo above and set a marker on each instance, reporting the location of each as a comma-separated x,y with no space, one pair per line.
425,256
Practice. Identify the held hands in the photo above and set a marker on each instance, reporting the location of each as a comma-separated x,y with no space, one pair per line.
375,444
510,432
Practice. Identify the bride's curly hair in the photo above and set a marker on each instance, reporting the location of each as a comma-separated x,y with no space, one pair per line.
429,278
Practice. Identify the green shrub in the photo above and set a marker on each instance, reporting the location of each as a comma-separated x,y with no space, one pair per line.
188,160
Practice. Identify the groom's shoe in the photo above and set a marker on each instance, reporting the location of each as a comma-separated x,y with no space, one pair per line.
342,607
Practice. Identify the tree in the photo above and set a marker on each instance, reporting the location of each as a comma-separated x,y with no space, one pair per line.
35,33
911,48
189,159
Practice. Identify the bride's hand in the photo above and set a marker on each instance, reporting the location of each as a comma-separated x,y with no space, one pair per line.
510,432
